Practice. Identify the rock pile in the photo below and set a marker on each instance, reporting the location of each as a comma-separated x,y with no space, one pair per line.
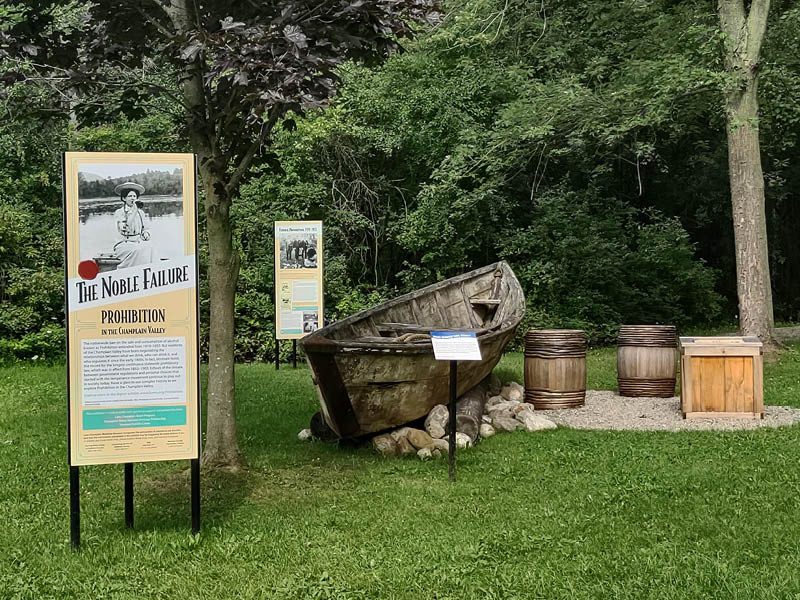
482,412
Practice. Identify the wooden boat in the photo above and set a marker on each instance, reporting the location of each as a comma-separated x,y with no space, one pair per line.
376,370
106,261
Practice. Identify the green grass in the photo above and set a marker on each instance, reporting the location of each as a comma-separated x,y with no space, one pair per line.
561,514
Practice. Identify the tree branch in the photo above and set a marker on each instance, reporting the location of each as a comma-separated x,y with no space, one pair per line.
252,151
756,27
163,30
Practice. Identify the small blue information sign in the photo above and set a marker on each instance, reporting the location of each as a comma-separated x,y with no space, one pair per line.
455,345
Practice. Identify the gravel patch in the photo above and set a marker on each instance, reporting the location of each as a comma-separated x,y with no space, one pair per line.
606,410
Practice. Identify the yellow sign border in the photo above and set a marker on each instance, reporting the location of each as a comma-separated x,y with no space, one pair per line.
123,443
287,277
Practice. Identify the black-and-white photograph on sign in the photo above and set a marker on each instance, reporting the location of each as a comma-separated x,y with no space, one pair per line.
299,251
310,322
128,214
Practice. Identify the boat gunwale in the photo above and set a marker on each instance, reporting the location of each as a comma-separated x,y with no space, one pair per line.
318,342
324,344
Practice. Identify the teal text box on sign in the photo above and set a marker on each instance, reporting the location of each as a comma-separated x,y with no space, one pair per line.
132,418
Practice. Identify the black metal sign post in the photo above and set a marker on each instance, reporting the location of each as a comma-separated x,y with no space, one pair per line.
294,354
75,501
195,474
74,508
277,352
129,495
453,388
195,496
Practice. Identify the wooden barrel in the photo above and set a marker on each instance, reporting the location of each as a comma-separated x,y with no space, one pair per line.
555,368
647,360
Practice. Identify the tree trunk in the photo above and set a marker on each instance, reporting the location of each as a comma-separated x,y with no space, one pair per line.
744,32
221,448
749,216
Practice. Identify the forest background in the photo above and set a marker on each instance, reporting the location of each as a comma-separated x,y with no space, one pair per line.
583,142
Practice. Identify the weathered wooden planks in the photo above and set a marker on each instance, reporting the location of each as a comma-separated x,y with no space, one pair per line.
388,379
469,412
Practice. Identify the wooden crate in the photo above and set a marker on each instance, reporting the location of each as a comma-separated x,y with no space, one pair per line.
722,377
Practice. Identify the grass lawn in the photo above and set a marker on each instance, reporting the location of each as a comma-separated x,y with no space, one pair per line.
561,514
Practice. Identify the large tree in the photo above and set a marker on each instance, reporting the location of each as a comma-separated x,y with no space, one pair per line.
234,71
744,25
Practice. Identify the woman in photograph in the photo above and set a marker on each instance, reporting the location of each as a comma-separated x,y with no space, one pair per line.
133,247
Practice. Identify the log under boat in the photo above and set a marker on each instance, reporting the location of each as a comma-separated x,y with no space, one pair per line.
376,369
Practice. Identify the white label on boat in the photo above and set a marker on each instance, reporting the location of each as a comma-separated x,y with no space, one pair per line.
455,345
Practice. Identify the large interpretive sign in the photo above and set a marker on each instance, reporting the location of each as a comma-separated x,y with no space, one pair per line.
130,227
298,278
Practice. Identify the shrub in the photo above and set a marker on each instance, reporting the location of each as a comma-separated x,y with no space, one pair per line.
593,264
48,345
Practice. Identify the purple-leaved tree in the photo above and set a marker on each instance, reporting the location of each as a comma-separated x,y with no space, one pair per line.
230,72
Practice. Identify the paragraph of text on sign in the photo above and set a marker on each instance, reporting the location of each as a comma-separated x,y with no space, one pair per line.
134,371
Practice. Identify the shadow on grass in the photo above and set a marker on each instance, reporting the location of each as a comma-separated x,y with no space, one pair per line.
308,472
163,501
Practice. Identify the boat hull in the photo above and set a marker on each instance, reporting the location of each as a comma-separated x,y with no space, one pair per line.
369,387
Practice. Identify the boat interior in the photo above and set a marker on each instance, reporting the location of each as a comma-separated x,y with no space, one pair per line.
481,301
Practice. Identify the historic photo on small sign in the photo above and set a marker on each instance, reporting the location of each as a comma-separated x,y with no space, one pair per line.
299,251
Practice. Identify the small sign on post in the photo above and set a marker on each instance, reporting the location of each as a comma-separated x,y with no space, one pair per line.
456,345
298,282
453,346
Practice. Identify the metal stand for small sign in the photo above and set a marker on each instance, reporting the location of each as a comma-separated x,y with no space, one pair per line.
453,388
278,353
453,346
75,501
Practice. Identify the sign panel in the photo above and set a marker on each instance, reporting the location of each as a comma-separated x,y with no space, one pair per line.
298,278
455,345
130,237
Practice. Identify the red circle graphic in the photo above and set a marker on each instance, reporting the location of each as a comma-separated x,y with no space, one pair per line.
88,269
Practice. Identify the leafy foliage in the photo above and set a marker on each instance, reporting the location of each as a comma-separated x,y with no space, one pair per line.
473,147
31,279
256,63
592,263
582,141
